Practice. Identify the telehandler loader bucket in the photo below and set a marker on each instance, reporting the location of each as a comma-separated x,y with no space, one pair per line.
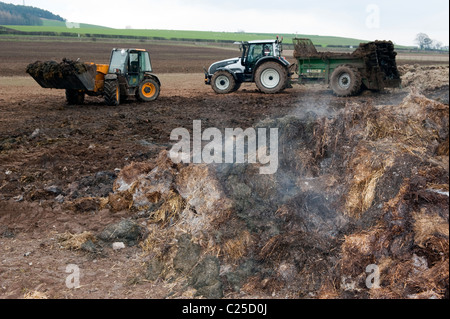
67,75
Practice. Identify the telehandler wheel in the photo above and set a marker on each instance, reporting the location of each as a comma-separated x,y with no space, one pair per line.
223,82
74,97
346,81
111,92
271,77
148,91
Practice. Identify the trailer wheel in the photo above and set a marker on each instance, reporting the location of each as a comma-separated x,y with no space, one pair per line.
346,81
74,97
148,91
271,77
111,93
223,82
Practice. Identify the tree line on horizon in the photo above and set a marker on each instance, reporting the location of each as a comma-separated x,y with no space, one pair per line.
11,14
426,43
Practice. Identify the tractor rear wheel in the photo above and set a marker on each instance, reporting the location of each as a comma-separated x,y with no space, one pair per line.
346,81
223,82
111,93
74,97
148,90
271,77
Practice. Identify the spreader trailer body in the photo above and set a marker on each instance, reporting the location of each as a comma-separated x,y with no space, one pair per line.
372,66
129,74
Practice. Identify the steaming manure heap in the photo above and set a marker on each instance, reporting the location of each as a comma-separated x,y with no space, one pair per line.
366,187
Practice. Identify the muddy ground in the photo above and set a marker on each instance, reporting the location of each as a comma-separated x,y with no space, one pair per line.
56,161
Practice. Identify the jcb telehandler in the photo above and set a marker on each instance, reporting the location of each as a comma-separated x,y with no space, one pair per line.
128,74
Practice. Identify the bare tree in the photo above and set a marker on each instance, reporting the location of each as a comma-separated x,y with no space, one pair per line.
424,41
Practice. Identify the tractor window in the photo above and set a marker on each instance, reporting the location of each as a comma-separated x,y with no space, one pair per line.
255,53
146,65
118,60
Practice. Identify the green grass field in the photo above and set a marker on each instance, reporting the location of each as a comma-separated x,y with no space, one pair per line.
58,27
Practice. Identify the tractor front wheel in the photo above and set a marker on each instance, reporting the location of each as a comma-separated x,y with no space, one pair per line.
148,91
223,82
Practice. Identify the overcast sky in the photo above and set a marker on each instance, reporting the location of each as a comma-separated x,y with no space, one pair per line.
396,20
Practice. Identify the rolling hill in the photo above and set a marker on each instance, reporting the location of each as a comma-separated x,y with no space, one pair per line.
20,20
11,14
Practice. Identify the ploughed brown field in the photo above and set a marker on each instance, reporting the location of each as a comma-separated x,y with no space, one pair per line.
62,169
15,55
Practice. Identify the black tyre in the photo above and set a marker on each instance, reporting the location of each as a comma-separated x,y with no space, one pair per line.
148,90
223,82
346,81
111,93
271,77
74,97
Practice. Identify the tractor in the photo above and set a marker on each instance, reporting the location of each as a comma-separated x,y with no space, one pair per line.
371,66
261,62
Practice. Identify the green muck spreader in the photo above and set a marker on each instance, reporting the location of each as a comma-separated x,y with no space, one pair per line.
371,66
